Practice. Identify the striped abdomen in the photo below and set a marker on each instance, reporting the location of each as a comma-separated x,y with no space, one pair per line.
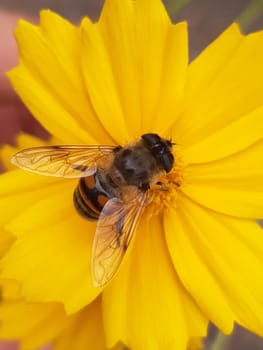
89,197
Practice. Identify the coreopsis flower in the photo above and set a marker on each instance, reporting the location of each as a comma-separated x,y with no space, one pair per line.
196,253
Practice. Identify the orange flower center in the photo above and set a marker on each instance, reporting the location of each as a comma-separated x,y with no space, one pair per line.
164,192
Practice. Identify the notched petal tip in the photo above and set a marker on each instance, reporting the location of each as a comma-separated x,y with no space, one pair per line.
22,26
85,22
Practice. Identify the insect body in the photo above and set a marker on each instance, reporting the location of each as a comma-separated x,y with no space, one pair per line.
113,188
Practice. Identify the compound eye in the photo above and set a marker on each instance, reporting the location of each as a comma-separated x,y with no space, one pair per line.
168,161
158,148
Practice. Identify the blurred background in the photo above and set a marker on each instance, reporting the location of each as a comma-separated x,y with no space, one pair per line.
206,19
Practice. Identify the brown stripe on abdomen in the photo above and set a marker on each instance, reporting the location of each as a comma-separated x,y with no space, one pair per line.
88,200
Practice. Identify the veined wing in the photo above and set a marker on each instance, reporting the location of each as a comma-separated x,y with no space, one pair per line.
115,229
62,161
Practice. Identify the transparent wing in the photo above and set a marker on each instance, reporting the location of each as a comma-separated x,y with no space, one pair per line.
62,161
115,228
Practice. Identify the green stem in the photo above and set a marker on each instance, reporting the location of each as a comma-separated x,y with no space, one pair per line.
220,342
175,5
250,14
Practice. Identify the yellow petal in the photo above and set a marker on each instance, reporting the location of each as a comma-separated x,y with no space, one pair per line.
42,213
195,344
137,55
83,331
223,143
117,29
215,96
232,185
6,240
145,300
135,34
33,324
240,203
232,250
10,290
51,256
19,189
241,171
194,273
174,70
100,82
218,53
6,153
152,31
58,90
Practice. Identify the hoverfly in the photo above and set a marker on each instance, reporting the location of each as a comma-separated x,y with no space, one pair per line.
114,183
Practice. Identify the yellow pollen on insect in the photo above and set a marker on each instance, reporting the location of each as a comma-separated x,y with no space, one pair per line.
165,191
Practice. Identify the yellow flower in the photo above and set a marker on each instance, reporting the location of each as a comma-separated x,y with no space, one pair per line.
198,256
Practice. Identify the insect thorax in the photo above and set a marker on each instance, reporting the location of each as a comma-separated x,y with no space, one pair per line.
134,166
